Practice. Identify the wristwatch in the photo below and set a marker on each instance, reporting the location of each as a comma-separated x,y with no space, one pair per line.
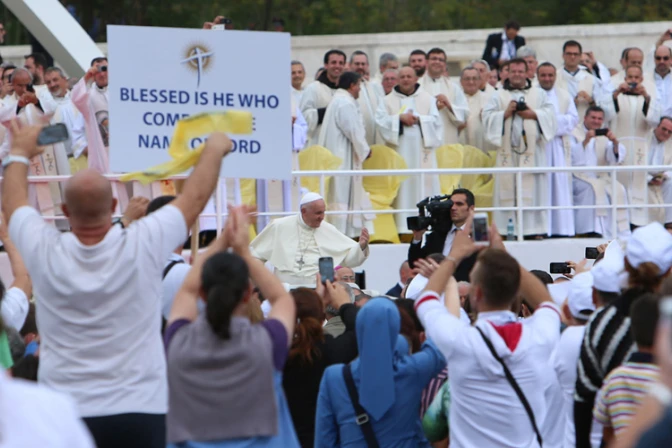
11,158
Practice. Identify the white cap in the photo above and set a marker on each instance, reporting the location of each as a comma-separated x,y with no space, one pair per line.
606,276
580,295
310,197
417,285
559,292
651,243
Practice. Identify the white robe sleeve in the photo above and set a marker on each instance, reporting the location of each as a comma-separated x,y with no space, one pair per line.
46,101
349,121
546,117
579,152
355,257
299,131
493,121
78,134
567,122
308,107
388,125
611,157
653,114
261,247
460,106
432,128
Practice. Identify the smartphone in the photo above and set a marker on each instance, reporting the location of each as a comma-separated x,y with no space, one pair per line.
55,133
326,267
601,132
591,253
480,228
560,268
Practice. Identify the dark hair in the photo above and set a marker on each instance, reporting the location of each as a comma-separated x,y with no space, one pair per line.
94,61
436,50
512,25
606,297
594,109
644,319
470,196
546,64
330,52
416,52
646,276
159,202
358,53
664,117
30,324
518,61
39,58
225,280
308,331
498,276
624,53
544,276
408,305
438,257
408,329
571,43
17,347
348,79
26,368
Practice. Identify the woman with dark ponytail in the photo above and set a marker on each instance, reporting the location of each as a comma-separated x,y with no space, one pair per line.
224,373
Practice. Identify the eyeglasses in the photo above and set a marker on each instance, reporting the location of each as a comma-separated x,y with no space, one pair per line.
662,58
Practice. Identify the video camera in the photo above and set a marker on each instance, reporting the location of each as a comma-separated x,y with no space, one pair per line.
434,212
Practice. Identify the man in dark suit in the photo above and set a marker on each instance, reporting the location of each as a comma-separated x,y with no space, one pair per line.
405,274
441,240
501,47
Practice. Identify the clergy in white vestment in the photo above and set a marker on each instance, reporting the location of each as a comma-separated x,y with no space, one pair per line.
298,76
369,97
418,62
471,133
637,112
595,188
390,80
584,88
343,134
595,67
450,100
409,122
317,96
662,76
387,61
559,152
660,182
630,56
67,113
484,71
519,120
529,55
294,244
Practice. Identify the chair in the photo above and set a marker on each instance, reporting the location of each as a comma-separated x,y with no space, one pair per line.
449,156
317,158
383,190
479,184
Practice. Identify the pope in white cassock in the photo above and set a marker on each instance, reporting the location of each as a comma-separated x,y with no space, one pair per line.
294,244
660,182
317,96
450,100
519,120
343,134
637,113
559,152
409,122
595,189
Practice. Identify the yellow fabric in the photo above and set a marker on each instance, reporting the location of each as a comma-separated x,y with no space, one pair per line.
383,190
79,164
196,126
248,196
449,156
317,158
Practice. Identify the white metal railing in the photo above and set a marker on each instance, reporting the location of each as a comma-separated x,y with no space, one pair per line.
518,171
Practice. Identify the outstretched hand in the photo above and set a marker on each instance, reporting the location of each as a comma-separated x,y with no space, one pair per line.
24,140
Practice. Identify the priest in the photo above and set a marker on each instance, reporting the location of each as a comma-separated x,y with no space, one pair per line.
294,244
471,133
343,134
519,120
660,182
317,96
409,122
368,98
484,72
449,98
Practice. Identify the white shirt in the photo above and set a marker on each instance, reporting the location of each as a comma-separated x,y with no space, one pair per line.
15,308
99,309
449,239
564,360
508,48
484,410
664,92
172,283
34,416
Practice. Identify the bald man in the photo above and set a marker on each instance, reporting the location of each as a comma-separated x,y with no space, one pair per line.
100,292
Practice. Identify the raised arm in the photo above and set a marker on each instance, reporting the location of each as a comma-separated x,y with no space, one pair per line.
19,271
201,183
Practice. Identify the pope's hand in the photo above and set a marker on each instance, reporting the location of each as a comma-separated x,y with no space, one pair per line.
364,238
24,140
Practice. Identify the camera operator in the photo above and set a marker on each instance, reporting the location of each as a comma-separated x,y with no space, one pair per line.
441,240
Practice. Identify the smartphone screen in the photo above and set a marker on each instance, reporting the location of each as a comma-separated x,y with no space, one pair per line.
326,267
481,228
560,268
602,132
52,134
591,253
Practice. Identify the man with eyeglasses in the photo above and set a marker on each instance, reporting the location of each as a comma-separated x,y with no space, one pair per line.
450,99
663,79
660,182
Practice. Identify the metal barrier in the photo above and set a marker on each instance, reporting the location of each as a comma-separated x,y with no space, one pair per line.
613,170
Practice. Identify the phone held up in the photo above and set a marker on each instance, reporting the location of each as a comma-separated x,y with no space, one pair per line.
55,133
591,253
601,132
326,268
480,228
560,268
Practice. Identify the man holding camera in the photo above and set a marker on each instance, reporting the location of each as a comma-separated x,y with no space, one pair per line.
440,240
519,120
637,112
594,146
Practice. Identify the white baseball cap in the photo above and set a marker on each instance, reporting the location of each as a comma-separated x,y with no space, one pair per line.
651,243
607,276
580,296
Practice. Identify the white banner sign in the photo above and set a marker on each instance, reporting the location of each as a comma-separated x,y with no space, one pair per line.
160,75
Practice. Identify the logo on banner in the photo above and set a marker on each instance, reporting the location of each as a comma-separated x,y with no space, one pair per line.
198,58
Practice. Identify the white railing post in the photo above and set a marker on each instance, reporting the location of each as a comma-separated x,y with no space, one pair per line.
218,206
422,187
614,220
519,205
322,186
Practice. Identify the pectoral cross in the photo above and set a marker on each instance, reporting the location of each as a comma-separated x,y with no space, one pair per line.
36,168
505,160
426,156
300,263
50,161
640,156
526,160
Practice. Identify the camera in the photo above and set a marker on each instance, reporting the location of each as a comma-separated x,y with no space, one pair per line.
103,68
520,105
601,132
633,85
434,212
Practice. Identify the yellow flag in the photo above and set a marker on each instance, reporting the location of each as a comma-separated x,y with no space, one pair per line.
196,126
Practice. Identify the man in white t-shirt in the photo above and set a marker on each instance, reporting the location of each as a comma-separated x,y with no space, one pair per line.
485,410
99,290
